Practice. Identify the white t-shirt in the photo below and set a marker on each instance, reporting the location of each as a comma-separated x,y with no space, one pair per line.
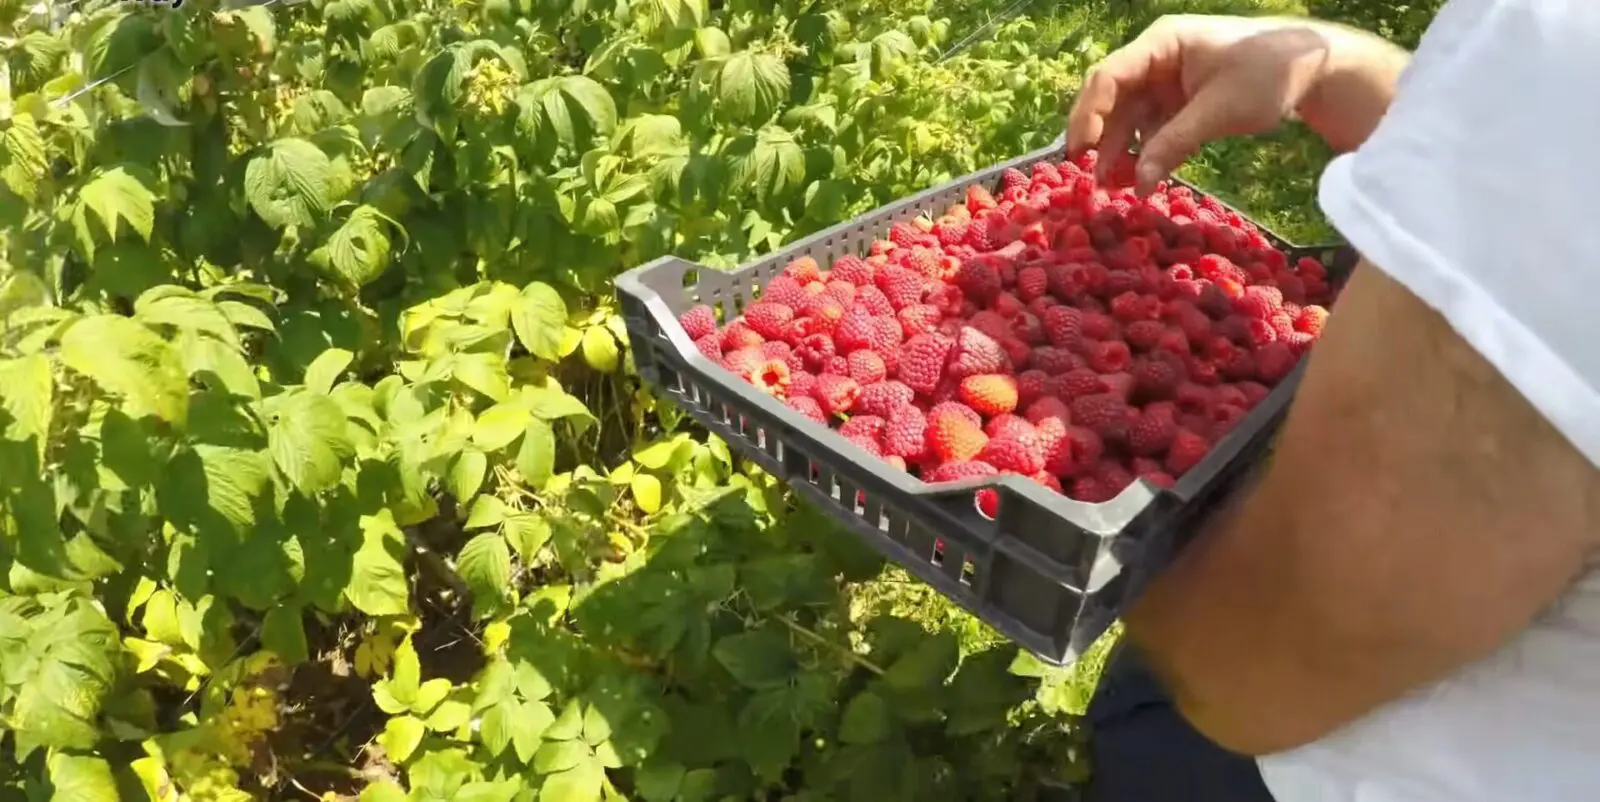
1479,192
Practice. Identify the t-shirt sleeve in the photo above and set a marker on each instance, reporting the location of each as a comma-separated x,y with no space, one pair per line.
1479,189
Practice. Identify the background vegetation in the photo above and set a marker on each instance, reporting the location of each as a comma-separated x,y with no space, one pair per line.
323,468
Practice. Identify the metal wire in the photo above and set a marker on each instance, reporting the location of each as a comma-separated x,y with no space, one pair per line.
970,39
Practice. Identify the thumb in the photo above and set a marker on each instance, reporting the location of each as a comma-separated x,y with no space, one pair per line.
1201,120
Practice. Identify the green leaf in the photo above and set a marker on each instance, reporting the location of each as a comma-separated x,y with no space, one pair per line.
556,756
540,319
712,43
537,458
769,166
325,370
284,633
206,481
116,195
358,251
486,511
383,791
484,373
572,108
466,474
865,720
758,659
401,736
378,580
288,183
449,716
569,725
310,441
25,160
27,393
646,492
217,365
485,565
551,404
128,359
652,135
752,86
429,695
177,307
527,533
600,349
500,424
81,778
580,783
57,692
658,780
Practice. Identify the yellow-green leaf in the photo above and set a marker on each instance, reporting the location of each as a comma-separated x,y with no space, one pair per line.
647,492
499,425
116,195
128,359
310,441
401,736
600,349
326,369
288,183
539,318
27,393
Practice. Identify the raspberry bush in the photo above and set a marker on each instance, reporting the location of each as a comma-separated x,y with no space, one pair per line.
323,467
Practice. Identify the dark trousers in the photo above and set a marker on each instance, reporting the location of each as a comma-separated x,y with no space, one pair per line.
1142,750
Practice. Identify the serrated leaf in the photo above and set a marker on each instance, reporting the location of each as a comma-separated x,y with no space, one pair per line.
770,166
548,403
865,720
485,565
56,695
572,108
214,362
310,441
499,425
284,633
466,474
27,393
486,511
449,716
358,251
581,783
556,756
206,480
377,579
758,659
539,319
81,778
752,86
177,307
652,135
401,736
646,493
325,370
117,195
128,359
527,533
600,349
288,183
25,159
536,459
484,373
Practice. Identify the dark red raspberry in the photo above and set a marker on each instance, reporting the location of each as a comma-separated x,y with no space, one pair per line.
1152,432
903,287
1032,385
1186,451
978,281
1099,326
1078,383
1158,375
1032,283
1274,362
1109,357
1105,414
1064,326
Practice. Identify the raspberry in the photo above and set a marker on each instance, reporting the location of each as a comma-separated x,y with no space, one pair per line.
1053,361
1064,326
883,398
836,366
903,287
1012,177
1131,306
957,470
743,362
1260,302
739,335
816,350
1274,361
776,349
1087,447
824,308
990,393
1012,453
978,281
1299,342
1109,357
858,329
1009,424
1153,431
950,230
1159,478
1113,476
836,393
952,437
1311,320
903,235
1119,384
1089,490
1032,283
803,270
698,322
868,445
1237,364
922,361
771,377
955,408
1145,334
1046,409
1047,479
1079,382
904,435
853,269
711,346
1223,418
1098,326
866,367
1105,414
842,291
802,383
1186,451
807,407
863,426
874,300
919,318
926,262
1158,375
982,234
1282,325
974,353
1032,385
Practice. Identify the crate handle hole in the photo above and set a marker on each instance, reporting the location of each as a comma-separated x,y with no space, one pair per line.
937,557
969,571
691,277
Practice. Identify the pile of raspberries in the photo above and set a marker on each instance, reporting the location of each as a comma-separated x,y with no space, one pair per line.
1063,330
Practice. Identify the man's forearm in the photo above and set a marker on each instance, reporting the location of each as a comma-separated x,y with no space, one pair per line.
1357,86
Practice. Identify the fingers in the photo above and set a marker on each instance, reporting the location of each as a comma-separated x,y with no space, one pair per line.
1112,84
1204,118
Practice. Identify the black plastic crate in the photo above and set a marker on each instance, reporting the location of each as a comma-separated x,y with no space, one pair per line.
1048,572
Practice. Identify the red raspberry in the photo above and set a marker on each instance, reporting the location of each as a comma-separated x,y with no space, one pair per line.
1106,414
817,350
842,291
837,366
1153,431
1260,302
1292,287
1032,385
1144,335
1032,283
857,330
803,270
1223,418
1113,476
1047,408
974,353
1109,357
776,349
1012,177
1158,375
883,398
863,426
951,230
802,383
925,261
738,335
1011,453
904,434
1009,424
1052,360
874,300
1029,329
956,408
978,281
711,346
866,367
1089,490
1299,342
824,308
1079,382
922,361
1119,384
903,287
919,318
1274,362
1098,326
807,407
990,393
853,269
771,377
836,393
1186,451
903,235
1131,306
743,362
1047,479
952,437
956,470
983,232
1159,478
698,322
1087,447
1311,320
868,445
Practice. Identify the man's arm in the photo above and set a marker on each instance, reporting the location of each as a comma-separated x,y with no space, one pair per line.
1418,512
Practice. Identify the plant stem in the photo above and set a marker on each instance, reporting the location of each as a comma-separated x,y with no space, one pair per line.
811,635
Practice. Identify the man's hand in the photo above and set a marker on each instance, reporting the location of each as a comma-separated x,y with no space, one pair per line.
1190,79
1418,513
